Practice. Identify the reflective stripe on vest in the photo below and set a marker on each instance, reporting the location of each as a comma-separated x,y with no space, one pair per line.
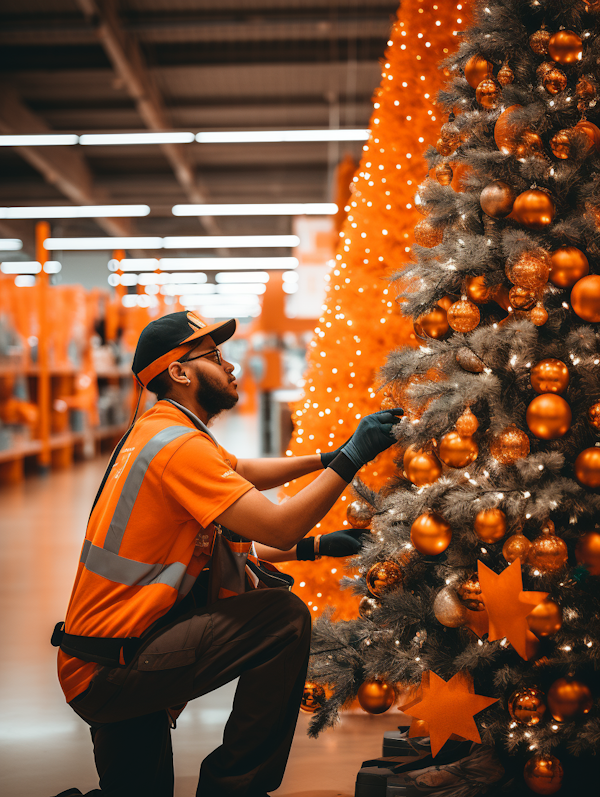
105,561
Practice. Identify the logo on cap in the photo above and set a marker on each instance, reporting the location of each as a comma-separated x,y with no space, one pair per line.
194,321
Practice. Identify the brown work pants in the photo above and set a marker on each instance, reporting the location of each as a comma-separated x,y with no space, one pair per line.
263,638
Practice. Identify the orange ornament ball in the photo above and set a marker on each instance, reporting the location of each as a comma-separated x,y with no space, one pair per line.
569,265
545,619
585,298
593,415
510,445
383,577
527,706
587,467
516,547
548,553
569,698
359,514
543,774
497,199
587,552
428,235
490,525
522,298
444,174
376,696
488,92
430,534
434,324
423,468
467,424
592,132
456,451
477,290
538,315
507,133
560,144
534,208
554,81
538,41
477,69
565,47
531,269
549,416
549,376
313,697
463,316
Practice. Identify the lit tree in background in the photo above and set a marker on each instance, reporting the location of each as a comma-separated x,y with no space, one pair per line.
480,581
359,321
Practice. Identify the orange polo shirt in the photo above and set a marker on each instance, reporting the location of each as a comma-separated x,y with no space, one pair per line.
150,533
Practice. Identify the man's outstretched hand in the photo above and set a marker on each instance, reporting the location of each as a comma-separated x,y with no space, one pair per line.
329,456
346,542
372,436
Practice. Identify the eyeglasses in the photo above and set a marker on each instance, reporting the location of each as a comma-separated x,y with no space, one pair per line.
214,354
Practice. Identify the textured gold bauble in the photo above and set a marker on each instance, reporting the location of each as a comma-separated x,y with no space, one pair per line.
430,534
510,445
531,269
488,93
569,698
569,265
467,424
585,298
469,592
463,316
469,361
587,467
424,468
376,696
456,451
383,577
516,547
543,773
585,90
477,69
506,132
593,415
530,146
359,514
313,697
549,416
538,41
445,147
527,706
549,376
367,606
497,199
505,75
449,132
545,619
565,47
544,68
534,208
448,609
548,553
434,324
591,131
444,174
587,552
538,315
554,81
490,525
427,235
477,290
560,144
522,298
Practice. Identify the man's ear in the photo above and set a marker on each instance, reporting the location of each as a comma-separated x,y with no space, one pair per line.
177,373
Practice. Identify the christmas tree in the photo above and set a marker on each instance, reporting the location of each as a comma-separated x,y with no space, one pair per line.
353,335
480,579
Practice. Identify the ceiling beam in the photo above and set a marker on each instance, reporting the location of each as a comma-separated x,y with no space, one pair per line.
65,168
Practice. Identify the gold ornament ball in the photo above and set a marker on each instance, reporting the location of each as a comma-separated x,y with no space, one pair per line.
587,467
527,706
376,696
470,594
585,89
544,68
430,534
449,132
538,315
359,514
477,69
505,75
444,174
569,698
367,606
463,316
530,145
593,415
497,199
548,553
427,235
585,298
423,468
516,547
592,132
534,208
538,41
488,93
507,133
410,452
543,773
522,298
445,147
548,416
313,697
383,577
490,525
587,552
569,265
565,47
545,619
434,324
531,269
477,290
510,445
554,81
560,144
467,424
549,376
456,451
448,609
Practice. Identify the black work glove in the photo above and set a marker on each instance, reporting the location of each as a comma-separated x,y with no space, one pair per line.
372,436
346,542
328,456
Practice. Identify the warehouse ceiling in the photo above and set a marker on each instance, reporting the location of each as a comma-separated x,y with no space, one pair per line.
195,65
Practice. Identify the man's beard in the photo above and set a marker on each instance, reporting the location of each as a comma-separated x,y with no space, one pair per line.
214,398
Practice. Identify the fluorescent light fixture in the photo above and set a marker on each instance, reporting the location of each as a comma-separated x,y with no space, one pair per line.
229,241
39,140
99,244
128,279
10,244
222,310
227,263
134,264
242,299
25,281
290,287
76,212
110,139
243,276
273,209
276,136
256,288
21,267
290,276
179,289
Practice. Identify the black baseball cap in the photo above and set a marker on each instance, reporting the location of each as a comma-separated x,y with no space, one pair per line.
168,338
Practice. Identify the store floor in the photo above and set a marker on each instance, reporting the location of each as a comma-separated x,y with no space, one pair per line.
46,747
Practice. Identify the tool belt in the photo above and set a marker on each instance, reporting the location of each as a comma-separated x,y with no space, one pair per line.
111,652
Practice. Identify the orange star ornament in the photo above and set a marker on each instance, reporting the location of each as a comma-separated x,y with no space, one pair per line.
508,605
448,707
